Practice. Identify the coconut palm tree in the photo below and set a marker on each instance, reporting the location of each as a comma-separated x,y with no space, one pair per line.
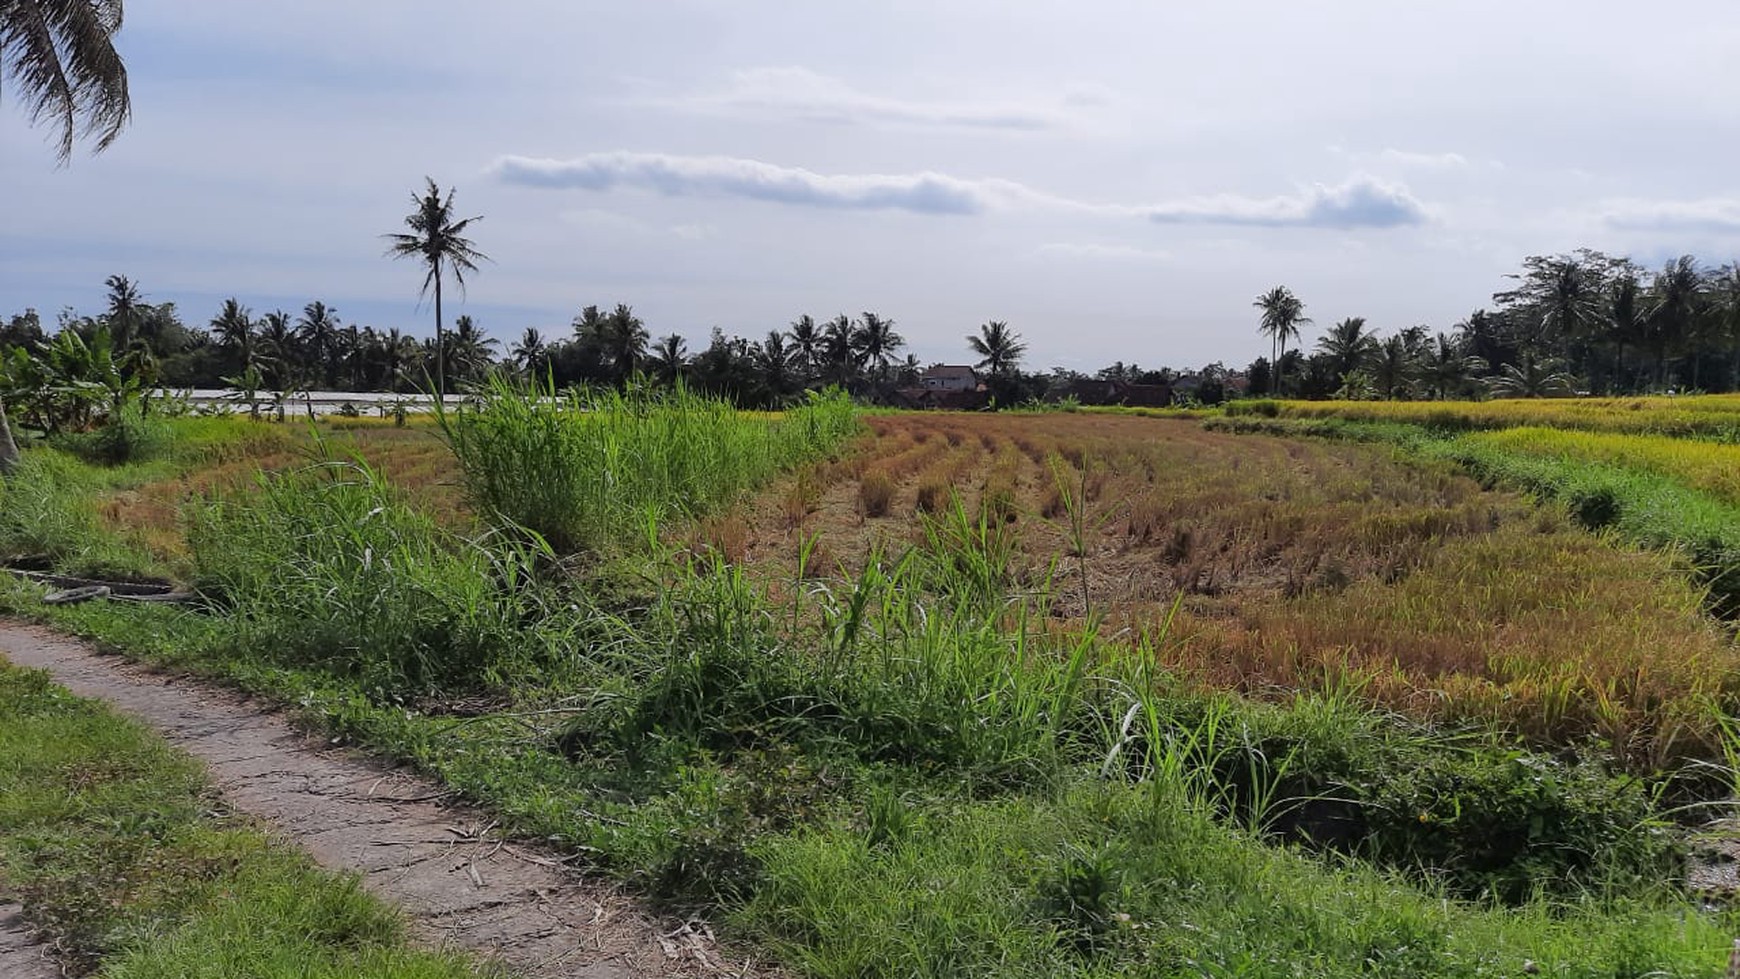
61,55
1348,346
233,327
1624,318
278,338
318,333
775,363
469,351
625,339
807,338
839,354
439,242
669,358
1446,369
530,354
1283,314
1393,366
999,348
1676,301
1532,376
401,356
124,310
875,342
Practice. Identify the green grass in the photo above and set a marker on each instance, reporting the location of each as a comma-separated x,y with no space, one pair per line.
110,839
929,799
597,471
49,507
328,566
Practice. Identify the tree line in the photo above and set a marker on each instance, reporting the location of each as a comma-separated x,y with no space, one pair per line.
316,349
1583,322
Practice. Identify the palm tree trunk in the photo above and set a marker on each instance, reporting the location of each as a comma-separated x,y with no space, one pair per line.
440,343
8,447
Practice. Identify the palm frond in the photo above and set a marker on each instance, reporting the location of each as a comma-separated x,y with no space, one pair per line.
62,54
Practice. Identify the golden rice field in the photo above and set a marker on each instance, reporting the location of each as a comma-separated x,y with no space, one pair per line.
1709,416
1711,467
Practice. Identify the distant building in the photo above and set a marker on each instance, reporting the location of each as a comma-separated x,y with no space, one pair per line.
942,377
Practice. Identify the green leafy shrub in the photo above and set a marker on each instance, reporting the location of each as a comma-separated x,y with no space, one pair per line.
128,435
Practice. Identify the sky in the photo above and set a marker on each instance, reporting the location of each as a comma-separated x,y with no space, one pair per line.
1117,181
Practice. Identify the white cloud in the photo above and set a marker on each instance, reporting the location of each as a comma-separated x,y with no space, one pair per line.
1429,161
1096,251
1714,214
1361,201
724,176
803,94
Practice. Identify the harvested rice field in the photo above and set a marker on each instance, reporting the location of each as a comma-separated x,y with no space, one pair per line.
1268,565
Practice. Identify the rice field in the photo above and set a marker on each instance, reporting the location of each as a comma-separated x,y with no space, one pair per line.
1293,564
966,693
1709,416
1709,467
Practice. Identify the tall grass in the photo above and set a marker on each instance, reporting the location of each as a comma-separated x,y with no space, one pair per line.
327,565
48,511
596,470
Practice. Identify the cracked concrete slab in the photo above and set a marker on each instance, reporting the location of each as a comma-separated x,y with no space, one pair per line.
460,884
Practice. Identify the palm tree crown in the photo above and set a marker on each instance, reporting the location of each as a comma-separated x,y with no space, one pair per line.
437,240
999,347
62,54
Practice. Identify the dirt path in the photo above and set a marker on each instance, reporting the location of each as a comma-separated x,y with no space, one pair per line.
460,884
20,956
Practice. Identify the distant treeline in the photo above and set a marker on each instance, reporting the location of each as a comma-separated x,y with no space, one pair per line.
1582,322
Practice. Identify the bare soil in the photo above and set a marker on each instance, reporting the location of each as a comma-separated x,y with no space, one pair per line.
21,955
460,883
